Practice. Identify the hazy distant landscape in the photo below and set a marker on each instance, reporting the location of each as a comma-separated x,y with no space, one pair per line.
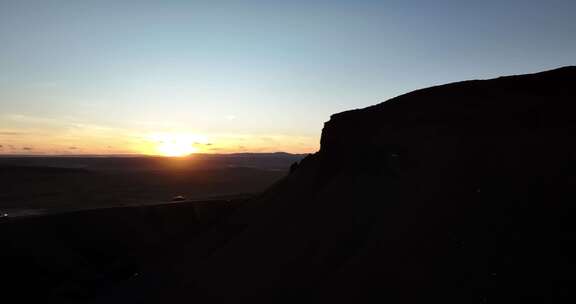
51,184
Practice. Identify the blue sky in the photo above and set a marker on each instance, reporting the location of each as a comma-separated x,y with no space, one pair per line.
100,76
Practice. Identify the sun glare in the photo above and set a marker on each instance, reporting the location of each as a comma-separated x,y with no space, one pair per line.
175,145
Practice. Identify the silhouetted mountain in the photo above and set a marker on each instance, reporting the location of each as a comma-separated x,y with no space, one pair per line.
466,187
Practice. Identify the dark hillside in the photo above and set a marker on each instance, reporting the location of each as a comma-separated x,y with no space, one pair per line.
466,187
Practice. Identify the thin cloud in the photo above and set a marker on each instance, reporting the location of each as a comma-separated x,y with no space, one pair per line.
10,133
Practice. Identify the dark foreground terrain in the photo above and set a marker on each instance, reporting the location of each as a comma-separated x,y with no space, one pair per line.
109,255
458,193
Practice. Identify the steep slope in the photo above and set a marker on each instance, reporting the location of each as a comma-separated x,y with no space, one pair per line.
464,187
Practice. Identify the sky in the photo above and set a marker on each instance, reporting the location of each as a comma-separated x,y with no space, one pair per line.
122,76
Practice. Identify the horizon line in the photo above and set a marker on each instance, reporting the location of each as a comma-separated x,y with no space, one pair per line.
143,155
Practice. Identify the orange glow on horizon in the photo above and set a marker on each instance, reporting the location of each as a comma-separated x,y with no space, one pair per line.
102,140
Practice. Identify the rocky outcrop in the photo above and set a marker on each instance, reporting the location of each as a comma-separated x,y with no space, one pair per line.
505,124
453,187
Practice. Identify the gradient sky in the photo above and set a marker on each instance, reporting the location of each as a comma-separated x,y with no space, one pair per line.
109,76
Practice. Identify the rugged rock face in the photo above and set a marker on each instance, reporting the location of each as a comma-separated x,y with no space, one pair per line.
507,123
463,187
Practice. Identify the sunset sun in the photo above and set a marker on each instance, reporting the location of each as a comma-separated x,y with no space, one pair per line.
175,145
175,149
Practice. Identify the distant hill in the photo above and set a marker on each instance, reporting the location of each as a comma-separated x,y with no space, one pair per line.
267,161
466,187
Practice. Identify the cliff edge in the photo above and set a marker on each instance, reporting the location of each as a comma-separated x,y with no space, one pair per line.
462,187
